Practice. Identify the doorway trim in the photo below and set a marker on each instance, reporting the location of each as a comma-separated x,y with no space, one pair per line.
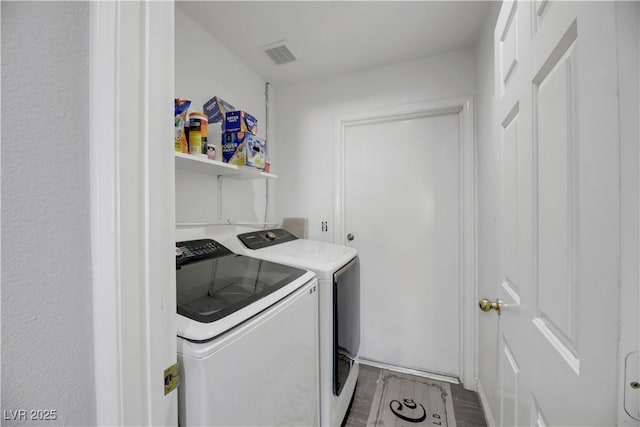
463,106
132,210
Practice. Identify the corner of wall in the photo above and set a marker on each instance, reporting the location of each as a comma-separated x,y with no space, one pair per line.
200,76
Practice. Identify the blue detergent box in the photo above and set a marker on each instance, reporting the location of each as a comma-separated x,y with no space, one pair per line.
216,108
240,121
244,149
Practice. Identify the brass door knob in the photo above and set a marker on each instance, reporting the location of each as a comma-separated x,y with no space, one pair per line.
488,305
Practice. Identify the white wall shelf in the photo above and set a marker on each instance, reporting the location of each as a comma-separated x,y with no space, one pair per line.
218,168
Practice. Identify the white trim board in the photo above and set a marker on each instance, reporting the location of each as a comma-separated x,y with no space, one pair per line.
104,241
132,210
486,408
417,373
463,106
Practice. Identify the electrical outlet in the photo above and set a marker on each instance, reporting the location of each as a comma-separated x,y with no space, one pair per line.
325,226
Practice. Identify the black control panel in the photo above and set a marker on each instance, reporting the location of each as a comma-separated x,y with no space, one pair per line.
265,238
194,250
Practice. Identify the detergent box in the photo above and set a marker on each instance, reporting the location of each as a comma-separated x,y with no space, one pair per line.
216,108
240,121
244,149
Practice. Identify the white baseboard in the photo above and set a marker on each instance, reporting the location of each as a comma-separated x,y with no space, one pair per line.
488,416
418,373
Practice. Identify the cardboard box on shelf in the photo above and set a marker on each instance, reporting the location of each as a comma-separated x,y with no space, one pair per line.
216,108
181,143
244,149
240,121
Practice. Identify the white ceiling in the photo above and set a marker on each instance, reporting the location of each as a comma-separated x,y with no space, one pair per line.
336,37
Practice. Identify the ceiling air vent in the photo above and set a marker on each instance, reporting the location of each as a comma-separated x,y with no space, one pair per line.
280,54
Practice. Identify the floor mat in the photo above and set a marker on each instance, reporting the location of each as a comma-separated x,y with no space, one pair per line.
407,400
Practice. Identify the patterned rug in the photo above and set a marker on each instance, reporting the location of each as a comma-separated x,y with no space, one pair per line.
407,400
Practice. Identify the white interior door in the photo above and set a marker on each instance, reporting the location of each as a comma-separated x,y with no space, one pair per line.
556,117
402,196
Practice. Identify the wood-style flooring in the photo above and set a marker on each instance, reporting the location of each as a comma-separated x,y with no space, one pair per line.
466,405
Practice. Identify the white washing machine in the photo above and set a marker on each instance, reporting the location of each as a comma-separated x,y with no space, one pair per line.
338,272
247,339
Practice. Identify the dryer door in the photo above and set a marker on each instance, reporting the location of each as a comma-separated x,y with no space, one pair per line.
346,321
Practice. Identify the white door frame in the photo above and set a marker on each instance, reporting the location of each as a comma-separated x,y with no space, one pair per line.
132,210
463,106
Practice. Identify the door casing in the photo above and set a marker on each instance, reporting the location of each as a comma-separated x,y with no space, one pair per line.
132,211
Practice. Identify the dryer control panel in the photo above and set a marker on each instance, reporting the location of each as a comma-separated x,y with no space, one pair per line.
265,238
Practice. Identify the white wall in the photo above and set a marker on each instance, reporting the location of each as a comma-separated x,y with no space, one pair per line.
204,68
488,200
308,114
47,343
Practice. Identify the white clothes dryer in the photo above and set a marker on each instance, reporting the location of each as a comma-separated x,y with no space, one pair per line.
337,269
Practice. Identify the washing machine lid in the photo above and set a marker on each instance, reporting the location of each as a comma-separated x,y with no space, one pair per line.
320,257
216,293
